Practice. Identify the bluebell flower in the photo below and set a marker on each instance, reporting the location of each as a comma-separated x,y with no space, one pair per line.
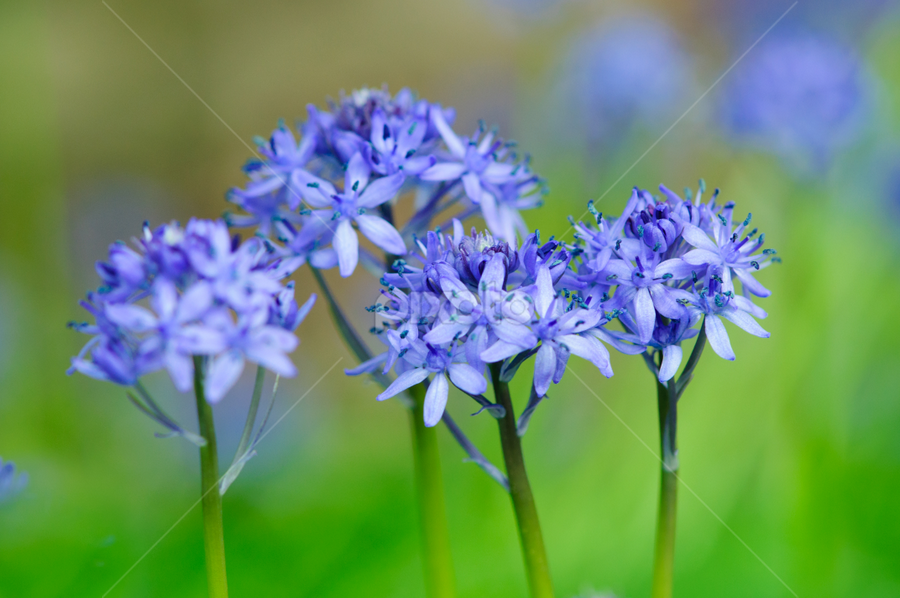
186,292
482,301
716,304
665,264
623,72
385,148
482,164
560,332
349,207
11,482
801,96
394,145
422,360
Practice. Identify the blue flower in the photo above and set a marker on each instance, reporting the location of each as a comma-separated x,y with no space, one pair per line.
11,482
800,96
482,164
624,72
665,264
482,301
715,303
187,292
349,207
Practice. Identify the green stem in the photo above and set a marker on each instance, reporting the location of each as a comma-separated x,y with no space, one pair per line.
213,535
664,553
438,562
439,576
532,539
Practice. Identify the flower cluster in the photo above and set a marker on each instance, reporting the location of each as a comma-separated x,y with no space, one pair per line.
474,301
316,195
659,269
800,96
666,263
185,292
627,71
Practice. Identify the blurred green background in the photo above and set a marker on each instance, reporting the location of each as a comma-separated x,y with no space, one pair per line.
795,445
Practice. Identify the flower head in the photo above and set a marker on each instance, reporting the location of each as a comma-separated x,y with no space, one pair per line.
799,96
185,292
665,264
354,160
476,302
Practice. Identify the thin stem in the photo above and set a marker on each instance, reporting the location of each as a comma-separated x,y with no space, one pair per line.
536,567
437,559
664,553
439,576
213,534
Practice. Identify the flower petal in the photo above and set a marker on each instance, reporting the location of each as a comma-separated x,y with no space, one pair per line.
405,380
698,238
543,295
701,257
544,367
671,361
381,190
222,373
346,244
443,171
588,348
751,284
435,400
718,337
454,143
499,351
472,186
357,173
379,231
664,301
644,314
745,322
467,378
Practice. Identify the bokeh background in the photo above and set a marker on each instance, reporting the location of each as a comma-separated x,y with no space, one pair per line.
795,445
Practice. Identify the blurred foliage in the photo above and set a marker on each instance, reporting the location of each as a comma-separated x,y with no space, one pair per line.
794,445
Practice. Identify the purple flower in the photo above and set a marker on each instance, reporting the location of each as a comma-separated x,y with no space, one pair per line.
663,265
560,332
394,145
482,301
480,165
349,207
421,360
184,293
800,96
11,482
716,304
622,73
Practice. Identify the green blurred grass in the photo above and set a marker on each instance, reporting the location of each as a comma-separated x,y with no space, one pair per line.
794,445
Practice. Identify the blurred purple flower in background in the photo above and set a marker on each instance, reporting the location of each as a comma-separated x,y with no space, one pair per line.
11,481
626,72
802,97
745,21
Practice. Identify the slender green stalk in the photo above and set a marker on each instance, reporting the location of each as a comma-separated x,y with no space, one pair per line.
437,559
664,553
439,575
213,535
667,402
536,567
